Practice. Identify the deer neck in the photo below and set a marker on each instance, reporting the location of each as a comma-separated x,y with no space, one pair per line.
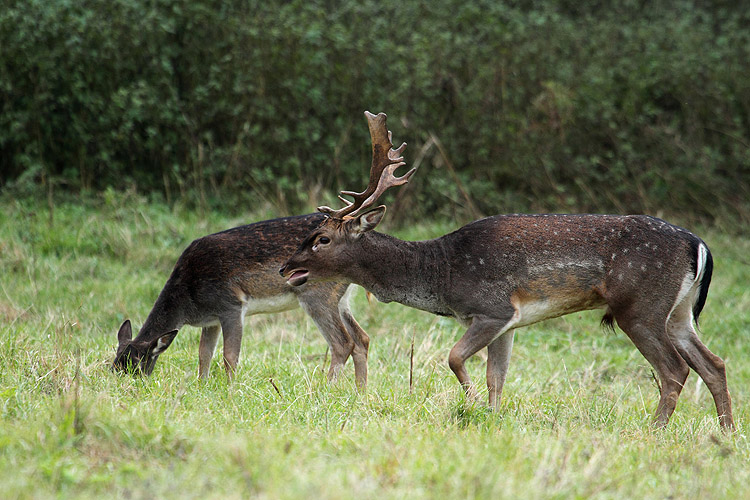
408,272
166,315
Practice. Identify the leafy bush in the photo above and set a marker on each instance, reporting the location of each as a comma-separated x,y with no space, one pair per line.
507,105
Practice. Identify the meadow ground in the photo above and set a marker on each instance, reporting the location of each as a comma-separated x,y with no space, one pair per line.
574,422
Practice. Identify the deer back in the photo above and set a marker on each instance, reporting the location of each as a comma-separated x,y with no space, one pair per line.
564,263
223,270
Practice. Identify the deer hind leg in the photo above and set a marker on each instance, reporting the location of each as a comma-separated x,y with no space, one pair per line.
709,366
498,359
206,348
649,335
322,305
361,343
231,327
481,333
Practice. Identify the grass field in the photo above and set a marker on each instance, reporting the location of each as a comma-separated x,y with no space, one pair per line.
574,421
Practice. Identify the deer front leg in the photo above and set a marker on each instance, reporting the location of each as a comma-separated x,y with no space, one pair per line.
481,333
206,348
498,359
231,327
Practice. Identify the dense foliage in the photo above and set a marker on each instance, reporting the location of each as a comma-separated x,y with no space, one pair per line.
562,105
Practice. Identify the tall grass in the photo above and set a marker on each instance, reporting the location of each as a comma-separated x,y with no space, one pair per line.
574,421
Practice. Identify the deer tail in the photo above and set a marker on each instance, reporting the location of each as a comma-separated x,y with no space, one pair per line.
704,266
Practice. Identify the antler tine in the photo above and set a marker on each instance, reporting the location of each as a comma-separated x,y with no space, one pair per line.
385,161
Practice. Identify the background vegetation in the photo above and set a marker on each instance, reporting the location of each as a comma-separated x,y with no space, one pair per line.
147,123
574,421
631,106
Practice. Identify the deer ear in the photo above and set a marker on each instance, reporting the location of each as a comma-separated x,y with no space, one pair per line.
125,333
369,220
160,345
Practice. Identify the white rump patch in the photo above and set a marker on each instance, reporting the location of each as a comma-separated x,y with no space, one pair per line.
691,281
702,258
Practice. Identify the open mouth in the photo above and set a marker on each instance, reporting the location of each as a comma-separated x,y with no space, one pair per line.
298,277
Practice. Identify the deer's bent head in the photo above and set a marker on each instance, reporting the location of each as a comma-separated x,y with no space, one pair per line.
139,356
329,248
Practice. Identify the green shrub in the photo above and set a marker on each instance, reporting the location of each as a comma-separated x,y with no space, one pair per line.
536,105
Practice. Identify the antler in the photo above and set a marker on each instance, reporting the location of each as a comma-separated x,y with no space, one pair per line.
385,161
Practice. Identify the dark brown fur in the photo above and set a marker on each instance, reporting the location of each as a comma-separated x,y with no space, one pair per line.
221,277
507,271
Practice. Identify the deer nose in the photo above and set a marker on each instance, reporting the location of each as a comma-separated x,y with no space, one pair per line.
282,270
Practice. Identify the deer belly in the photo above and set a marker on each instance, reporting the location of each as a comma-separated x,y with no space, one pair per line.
529,310
271,304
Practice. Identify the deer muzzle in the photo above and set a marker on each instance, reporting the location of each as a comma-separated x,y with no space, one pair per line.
296,277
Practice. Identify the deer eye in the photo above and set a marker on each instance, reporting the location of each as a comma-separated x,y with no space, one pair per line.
323,240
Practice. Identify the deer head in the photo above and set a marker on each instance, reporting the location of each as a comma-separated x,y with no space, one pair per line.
320,254
139,357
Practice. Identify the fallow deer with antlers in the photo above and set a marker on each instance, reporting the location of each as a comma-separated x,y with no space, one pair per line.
504,272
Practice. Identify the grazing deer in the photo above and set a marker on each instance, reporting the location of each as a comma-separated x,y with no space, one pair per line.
504,272
223,277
